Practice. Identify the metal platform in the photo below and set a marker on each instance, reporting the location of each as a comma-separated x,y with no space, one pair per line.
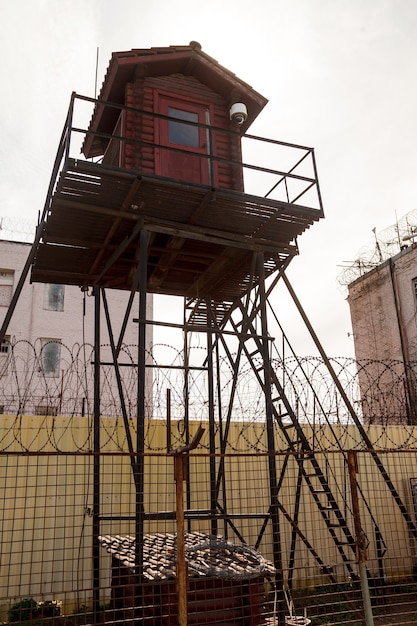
201,240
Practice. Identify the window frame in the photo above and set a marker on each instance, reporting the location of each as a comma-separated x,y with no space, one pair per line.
46,355
7,278
54,297
5,345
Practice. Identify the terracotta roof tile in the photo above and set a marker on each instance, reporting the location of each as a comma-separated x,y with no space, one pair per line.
206,556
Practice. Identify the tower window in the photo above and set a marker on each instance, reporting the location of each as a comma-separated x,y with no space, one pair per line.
183,134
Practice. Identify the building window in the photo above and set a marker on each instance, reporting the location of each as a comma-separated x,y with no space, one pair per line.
4,351
53,297
45,409
5,345
6,286
50,357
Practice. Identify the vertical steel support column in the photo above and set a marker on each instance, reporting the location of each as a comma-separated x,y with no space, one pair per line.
212,429
140,414
221,475
186,398
96,457
273,482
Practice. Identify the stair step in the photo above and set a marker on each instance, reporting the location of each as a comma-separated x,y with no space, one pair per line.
334,525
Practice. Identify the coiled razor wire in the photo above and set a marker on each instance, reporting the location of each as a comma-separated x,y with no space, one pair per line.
377,390
221,559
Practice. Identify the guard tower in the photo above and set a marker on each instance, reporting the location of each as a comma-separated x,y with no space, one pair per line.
167,199
166,133
159,202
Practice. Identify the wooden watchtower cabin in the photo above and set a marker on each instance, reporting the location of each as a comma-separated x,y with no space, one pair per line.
163,152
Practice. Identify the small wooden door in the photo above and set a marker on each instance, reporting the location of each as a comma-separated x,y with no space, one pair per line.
187,152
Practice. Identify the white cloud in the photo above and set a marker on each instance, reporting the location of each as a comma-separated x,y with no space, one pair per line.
339,74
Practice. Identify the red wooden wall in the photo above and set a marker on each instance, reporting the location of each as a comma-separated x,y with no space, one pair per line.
145,93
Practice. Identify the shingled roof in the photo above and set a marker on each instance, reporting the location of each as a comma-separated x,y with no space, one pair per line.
163,61
206,556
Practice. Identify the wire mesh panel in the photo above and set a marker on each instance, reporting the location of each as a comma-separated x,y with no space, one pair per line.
48,543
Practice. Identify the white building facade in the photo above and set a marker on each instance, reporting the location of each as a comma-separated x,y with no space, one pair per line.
46,357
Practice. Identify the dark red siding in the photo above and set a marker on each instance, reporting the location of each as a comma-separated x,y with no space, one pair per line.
142,93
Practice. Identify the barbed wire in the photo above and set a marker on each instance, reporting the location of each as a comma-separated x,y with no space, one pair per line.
17,229
377,391
385,244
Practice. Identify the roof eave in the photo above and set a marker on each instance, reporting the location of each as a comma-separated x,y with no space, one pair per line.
190,61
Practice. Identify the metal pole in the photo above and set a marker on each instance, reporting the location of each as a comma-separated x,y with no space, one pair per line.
273,483
140,414
212,430
186,397
352,459
96,457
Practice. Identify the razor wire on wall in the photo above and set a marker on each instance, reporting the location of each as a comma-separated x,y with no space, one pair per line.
375,389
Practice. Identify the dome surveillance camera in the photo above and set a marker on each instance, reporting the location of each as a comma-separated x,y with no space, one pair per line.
238,112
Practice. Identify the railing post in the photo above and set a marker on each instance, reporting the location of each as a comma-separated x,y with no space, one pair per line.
69,125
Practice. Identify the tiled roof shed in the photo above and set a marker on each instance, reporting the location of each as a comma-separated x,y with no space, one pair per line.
225,581
206,556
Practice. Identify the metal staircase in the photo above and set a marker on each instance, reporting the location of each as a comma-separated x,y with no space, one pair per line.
255,348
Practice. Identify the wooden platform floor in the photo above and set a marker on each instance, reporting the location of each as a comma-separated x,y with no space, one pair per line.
201,241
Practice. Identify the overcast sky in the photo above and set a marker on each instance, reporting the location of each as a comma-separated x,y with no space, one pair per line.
340,76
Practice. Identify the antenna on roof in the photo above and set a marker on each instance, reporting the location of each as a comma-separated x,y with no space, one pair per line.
95,81
378,247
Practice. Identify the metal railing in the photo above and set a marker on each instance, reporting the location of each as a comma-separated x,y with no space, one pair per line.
293,181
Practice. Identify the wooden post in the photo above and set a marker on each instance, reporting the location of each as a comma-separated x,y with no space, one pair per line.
352,459
180,472
180,563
